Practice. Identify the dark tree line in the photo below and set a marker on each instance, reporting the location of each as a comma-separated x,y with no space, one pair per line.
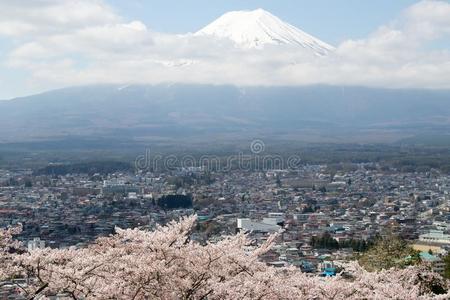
90,168
175,201
326,241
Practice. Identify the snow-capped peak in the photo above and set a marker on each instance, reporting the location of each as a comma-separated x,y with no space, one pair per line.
254,29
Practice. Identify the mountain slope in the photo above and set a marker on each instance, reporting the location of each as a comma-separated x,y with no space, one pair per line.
141,111
255,29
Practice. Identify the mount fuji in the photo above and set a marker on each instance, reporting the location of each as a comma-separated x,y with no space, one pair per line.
258,28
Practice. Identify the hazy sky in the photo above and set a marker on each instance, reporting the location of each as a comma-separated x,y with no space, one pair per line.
47,44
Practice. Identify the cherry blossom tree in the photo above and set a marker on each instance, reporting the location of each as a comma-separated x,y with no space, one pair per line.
166,264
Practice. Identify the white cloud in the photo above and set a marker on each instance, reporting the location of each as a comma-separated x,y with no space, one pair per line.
428,19
397,55
36,17
83,42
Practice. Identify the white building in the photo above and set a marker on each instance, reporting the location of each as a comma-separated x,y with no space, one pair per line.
266,225
435,236
36,243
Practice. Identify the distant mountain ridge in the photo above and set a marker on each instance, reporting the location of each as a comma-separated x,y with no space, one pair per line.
142,111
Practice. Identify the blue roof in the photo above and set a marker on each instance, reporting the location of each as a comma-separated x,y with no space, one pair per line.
427,256
329,273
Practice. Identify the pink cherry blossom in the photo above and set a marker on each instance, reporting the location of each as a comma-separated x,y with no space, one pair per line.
166,264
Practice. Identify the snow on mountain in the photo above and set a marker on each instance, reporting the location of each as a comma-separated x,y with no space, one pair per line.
257,28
